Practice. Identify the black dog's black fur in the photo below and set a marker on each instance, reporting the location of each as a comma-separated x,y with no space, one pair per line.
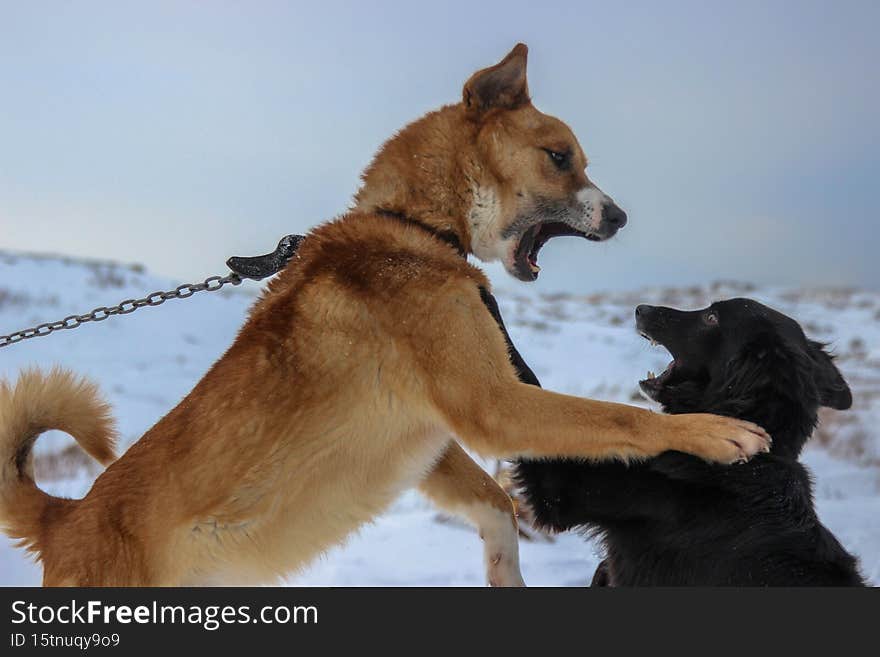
677,520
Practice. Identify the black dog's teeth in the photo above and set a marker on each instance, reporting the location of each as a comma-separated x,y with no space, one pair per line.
647,337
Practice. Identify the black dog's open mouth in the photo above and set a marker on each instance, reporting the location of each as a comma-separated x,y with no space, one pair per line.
654,384
525,256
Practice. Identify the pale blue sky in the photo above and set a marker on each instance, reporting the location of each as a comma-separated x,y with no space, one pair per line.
741,137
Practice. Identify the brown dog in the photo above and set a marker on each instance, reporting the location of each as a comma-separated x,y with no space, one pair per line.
357,371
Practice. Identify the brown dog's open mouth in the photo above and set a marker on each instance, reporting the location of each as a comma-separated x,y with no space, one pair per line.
525,256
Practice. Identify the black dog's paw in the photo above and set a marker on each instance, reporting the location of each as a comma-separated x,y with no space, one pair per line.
544,488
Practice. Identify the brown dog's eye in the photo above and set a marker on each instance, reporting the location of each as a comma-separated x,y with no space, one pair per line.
711,318
562,160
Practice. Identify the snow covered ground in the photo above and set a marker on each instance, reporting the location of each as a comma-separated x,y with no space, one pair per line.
584,345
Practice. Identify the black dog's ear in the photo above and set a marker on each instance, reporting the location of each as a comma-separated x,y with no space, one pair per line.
745,373
833,389
766,365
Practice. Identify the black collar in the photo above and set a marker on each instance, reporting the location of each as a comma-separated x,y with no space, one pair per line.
444,235
263,266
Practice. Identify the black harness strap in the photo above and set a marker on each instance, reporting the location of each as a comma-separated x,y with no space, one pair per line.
523,371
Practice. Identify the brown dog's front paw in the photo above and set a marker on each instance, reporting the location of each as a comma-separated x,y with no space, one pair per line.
720,439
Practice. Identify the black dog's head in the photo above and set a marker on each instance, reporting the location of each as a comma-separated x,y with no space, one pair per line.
743,359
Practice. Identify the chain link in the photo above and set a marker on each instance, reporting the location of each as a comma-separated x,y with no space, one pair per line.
210,284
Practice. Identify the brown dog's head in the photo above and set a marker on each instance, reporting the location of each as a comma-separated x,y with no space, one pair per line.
500,175
529,183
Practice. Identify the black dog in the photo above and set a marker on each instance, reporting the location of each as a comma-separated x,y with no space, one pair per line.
676,520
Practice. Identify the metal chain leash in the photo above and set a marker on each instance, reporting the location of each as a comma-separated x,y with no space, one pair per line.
254,267
210,284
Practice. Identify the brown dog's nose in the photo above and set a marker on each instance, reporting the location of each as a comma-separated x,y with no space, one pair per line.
614,216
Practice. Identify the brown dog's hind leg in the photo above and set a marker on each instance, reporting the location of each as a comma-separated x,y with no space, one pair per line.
460,486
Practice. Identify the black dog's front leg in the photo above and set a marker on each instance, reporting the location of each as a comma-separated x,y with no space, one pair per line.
684,467
566,493
751,481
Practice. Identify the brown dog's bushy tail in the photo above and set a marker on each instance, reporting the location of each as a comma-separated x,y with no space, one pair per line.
36,403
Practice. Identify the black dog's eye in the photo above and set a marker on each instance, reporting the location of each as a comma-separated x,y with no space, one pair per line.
559,158
711,318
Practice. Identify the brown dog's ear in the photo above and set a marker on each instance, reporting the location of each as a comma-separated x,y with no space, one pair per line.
503,86
833,389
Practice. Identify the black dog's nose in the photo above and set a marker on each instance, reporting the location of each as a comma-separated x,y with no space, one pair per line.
614,216
642,310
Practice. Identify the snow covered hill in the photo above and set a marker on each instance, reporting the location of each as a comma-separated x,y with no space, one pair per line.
584,345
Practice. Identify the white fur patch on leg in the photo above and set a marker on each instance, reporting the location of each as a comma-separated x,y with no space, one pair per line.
500,545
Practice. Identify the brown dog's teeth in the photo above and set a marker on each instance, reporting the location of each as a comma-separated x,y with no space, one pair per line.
651,374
